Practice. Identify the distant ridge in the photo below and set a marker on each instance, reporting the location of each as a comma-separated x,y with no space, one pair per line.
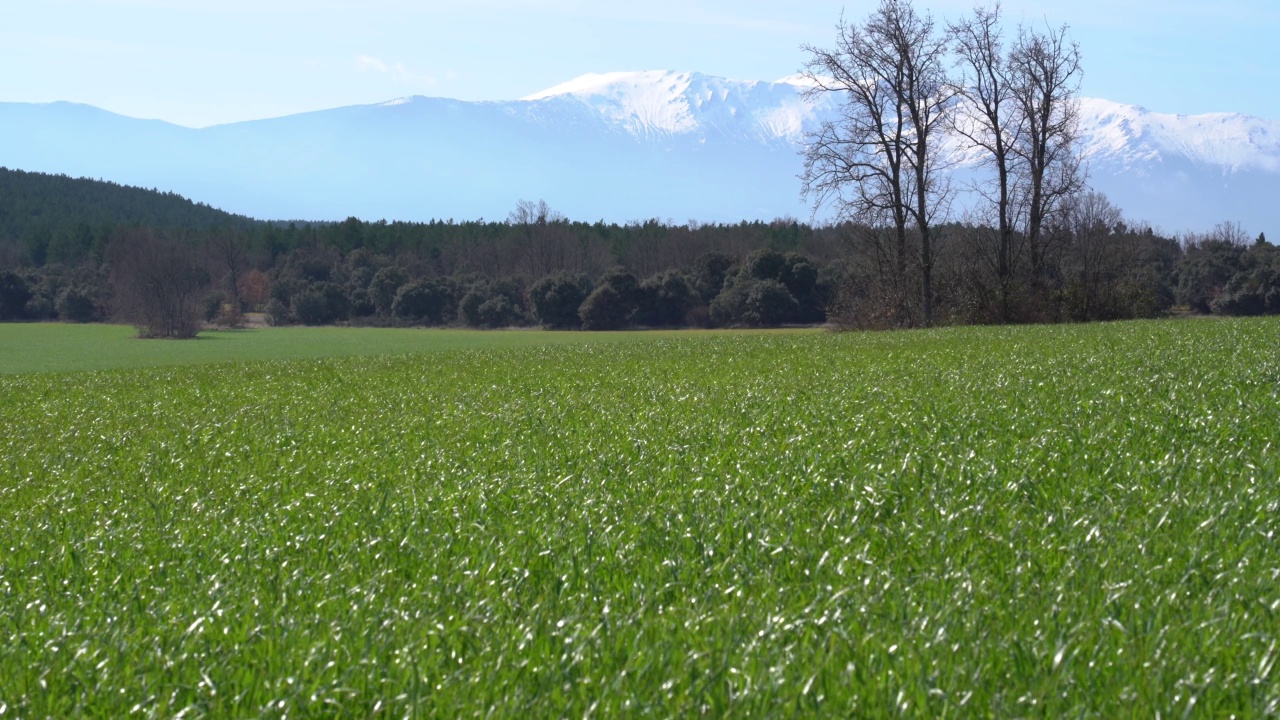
31,201
614,146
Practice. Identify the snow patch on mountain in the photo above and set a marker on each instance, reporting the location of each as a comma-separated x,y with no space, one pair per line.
660,103
615,145
645,103
1134,138
799,80
656,104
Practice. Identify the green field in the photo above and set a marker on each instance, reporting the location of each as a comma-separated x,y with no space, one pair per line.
1039,521
53,347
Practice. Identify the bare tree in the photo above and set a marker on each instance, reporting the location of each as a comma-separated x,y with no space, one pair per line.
1229,232
879,160
1100,252
1045,75
158,283
228,254
546,242
988,119
540,235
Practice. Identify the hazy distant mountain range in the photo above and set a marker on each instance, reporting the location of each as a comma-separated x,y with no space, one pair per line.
618,147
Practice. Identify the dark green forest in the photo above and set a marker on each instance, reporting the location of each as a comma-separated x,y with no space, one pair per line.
85,250
57,219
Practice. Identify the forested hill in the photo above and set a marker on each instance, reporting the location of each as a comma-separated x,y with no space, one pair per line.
67,248
55,215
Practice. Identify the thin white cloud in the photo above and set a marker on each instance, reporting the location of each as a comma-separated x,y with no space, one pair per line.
368,62
397,71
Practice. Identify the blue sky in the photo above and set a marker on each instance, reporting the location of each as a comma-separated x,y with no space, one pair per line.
202,62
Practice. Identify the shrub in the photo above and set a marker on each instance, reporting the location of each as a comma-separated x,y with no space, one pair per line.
498,311
359,303
709,272
40,307
14,295
310,307
383,288
426,302
557,297
622,280
75,303
613,303
1251,292
800,278
492,305
320,304
762,264
605,309
1203,272
754,303
791,270
278,313
469,306
666,300
213,303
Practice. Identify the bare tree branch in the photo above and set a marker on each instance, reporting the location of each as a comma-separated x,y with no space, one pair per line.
1045,70
879,162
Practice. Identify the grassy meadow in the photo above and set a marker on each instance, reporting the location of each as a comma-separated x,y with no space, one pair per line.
1036,521
57,347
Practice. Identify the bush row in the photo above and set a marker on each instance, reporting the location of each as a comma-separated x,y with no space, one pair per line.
765,288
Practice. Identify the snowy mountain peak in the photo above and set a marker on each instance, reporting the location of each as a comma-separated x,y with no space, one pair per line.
618,145
613,83
1132,135
645,102
665,102
798,80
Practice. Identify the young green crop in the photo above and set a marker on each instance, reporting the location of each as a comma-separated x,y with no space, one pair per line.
62,347
1055,521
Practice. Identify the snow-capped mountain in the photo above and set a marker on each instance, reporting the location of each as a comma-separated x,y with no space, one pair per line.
617,146
656,104
1131,136
1183,171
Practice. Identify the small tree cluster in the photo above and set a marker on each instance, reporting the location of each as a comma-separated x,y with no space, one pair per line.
905,83
1223,273
159,283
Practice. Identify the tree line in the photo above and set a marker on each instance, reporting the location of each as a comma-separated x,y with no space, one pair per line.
539,268
534,268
